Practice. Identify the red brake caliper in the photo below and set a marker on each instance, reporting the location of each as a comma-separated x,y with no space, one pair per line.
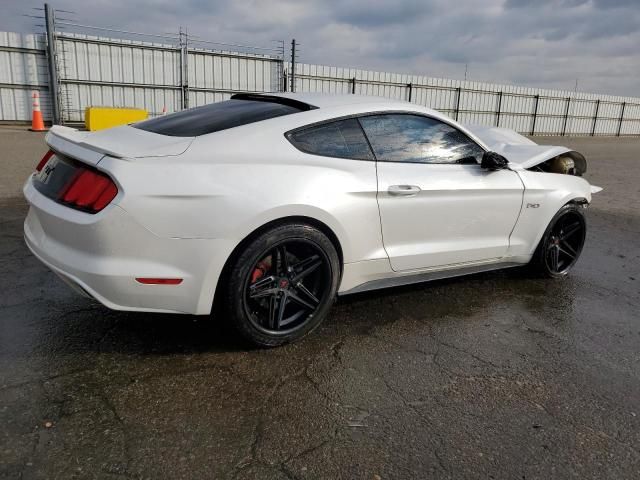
261,269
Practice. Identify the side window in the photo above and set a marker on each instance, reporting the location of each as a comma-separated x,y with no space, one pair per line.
343,138
418,139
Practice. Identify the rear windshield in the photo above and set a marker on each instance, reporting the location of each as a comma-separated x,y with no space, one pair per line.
215,117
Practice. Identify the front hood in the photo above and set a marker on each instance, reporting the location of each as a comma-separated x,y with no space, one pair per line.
121,142
517,148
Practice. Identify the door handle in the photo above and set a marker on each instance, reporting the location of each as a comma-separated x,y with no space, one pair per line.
403,190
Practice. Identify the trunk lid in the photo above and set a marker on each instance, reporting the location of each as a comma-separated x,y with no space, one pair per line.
120,142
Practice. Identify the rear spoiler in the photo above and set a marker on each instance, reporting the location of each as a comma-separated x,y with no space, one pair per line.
120,142
291,102
69,141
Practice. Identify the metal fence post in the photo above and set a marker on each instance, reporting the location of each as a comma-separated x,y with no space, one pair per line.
52,63
499,109
284,81
459,90
624,104
535,115
184,68
566,117
595,118
293,65
410,87
353,85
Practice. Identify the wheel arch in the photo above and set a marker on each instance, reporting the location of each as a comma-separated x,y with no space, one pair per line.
570,200
538,260
314,222
577,201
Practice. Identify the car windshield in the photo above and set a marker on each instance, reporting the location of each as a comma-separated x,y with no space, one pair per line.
216,117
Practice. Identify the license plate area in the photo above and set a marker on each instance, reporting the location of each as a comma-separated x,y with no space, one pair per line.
55,176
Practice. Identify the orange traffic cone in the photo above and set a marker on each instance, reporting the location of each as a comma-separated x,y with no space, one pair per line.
37,124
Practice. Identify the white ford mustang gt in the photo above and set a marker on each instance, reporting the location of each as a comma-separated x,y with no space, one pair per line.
273,204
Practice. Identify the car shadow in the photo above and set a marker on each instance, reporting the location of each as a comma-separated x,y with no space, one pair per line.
454,299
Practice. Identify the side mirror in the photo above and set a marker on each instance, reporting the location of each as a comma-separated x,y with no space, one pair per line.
493,161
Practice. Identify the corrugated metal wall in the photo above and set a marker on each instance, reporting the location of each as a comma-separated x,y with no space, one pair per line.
107,72
103,71
216,76
23,69
116,73
527,110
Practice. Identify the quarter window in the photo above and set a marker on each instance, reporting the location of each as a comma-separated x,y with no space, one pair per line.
343,139
418,139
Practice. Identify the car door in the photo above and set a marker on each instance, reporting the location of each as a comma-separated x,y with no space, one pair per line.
437,206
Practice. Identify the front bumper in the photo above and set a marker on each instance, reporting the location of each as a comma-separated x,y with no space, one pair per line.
103,254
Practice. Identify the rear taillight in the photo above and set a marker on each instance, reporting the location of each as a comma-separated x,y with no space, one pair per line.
44,160
88,190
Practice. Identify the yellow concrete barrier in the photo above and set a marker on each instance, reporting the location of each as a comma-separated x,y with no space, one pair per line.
99,118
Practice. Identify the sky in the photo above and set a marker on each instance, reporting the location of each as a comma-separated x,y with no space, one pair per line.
537,43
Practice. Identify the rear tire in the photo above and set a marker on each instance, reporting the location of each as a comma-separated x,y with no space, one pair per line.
561,244
282,284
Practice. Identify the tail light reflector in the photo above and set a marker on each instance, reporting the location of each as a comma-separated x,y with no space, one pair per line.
159,281
44,160
88,190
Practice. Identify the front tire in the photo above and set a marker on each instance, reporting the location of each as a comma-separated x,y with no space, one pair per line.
561,244
282,284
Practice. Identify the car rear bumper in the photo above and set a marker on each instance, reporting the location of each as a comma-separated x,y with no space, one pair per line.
101,255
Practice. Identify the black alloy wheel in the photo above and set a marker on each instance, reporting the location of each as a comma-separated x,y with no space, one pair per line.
562,243
283,284
287,285
565,243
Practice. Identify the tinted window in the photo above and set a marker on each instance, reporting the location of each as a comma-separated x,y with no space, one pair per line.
215,117
342,139
417,139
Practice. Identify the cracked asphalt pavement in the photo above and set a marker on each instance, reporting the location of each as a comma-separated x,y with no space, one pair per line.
495,375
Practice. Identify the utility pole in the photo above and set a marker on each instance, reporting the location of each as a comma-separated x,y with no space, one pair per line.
49,21
293,65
